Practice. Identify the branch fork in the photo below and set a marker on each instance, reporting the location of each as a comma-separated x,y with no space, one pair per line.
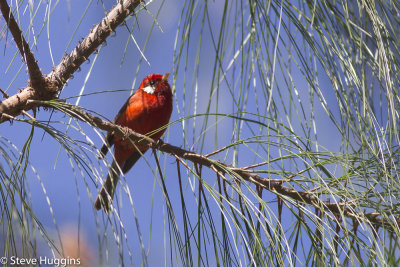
48,87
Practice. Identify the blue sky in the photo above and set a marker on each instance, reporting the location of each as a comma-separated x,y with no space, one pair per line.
55,175
64,183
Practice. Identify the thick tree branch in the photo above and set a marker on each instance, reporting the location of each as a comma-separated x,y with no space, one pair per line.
273,185
55,80
35,75
91,42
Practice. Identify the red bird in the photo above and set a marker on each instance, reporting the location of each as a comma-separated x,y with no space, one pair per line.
145,112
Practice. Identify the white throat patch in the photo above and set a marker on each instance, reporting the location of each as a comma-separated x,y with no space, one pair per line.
149,89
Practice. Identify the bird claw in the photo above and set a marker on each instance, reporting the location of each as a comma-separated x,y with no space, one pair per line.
126,133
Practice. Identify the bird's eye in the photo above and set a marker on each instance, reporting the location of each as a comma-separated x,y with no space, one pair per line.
151,83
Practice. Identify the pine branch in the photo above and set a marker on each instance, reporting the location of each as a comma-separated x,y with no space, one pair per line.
54,82
91,42
36,78
272,185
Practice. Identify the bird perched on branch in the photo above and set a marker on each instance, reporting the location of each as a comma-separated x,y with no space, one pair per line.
145,112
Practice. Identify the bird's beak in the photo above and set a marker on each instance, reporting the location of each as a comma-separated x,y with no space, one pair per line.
165,77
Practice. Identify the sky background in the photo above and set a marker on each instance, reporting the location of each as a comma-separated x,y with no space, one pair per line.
70,195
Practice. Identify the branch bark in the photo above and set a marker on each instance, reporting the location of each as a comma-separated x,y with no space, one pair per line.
91,42
47,88
272,185
36,78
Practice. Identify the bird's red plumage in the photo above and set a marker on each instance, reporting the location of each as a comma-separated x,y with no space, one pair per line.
145,113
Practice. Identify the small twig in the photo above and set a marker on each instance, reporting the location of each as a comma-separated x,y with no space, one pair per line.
240,196
216,151
255,165
219,191
337,231
259,190
29,115
5,95
280,206
8,116
219,173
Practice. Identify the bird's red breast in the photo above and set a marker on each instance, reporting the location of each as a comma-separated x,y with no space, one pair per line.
148,109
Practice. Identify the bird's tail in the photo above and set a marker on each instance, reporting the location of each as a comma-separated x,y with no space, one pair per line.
106,195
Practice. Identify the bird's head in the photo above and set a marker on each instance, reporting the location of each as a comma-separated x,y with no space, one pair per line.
156,83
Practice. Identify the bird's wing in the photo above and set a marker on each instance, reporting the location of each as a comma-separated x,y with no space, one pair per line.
110,135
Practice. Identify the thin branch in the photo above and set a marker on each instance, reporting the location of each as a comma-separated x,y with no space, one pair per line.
36,77
272,185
